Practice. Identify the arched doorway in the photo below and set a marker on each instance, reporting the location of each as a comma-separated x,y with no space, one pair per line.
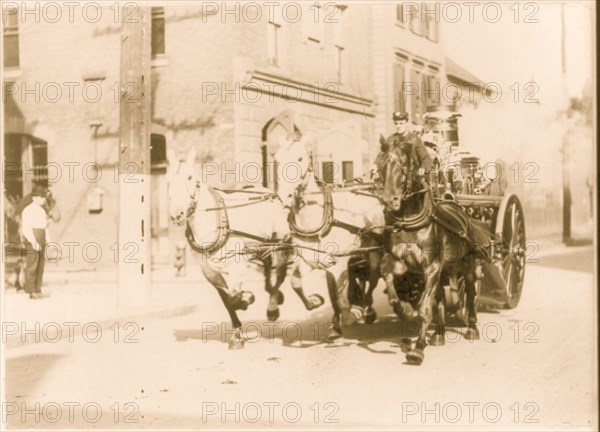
279,127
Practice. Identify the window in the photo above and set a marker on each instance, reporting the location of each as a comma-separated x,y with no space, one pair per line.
432,94
339,61
418,102
399,96
273,43
328,172
400,15
158,31
39,161
415,21
26,160
313,23
347,170
158,153
431,26
11,37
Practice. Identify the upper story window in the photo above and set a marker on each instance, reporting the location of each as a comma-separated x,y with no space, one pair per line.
399,68
313,23
339,60
10,18
337,25
422,19
429,21
158,31
400,18
416,25
273,43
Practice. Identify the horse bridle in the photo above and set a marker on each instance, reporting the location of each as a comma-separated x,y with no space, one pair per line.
192,195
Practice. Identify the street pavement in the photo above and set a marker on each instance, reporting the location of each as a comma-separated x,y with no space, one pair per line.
535,367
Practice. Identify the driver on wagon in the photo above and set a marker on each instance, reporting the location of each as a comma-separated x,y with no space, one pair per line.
401,138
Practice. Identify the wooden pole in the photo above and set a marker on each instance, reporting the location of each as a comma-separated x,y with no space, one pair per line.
134,162
566,230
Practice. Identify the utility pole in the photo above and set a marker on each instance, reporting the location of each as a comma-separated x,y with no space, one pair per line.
566,231
134,246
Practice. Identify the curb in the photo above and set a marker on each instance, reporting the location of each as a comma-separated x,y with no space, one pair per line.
16,340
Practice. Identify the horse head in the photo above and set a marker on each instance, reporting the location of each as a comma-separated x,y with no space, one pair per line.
182,185
293,167
396,168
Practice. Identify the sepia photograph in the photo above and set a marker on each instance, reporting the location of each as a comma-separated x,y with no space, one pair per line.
301,215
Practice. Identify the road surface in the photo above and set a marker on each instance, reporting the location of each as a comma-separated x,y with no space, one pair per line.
534,367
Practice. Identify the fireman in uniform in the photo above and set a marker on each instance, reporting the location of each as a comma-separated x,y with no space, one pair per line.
402,137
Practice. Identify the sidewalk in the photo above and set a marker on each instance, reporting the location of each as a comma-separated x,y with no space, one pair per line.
78,299
552,244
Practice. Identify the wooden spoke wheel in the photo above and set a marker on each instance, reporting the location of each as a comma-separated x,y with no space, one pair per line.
510,234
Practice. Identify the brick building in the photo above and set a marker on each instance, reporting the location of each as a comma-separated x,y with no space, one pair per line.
228,79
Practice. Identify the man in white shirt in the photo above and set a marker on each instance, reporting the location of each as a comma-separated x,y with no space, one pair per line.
34,223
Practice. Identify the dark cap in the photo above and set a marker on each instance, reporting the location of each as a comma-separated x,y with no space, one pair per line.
39,191
399,115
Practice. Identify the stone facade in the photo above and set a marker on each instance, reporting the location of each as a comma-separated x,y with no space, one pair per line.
229,82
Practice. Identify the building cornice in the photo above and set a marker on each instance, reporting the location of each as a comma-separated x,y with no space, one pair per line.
329,95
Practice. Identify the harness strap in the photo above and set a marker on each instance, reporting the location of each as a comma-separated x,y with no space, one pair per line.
248,235
251,201
222,228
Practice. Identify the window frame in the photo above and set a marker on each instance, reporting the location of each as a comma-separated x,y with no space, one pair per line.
11,32
158,14
273,43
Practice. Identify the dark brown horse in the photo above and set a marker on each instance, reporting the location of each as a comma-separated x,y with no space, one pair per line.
420,243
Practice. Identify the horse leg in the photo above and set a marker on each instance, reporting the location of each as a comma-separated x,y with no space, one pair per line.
356,281
432,279
335,330
439,336
275,296
311,302
472,331
231,303
389,268
373,280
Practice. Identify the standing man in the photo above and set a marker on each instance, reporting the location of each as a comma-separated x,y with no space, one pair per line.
403,137
34,229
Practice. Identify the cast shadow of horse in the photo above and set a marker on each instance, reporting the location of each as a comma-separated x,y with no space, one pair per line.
384,336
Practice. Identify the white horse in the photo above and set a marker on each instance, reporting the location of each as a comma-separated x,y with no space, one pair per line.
227,229
330,225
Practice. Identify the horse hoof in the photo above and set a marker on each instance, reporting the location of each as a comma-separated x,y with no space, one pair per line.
280,298
315,301
415,356
242,300
273,315
437,340
250,298
472,334
370,316
236,344
333,336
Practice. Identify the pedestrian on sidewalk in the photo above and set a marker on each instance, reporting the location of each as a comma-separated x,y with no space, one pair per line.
34,227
